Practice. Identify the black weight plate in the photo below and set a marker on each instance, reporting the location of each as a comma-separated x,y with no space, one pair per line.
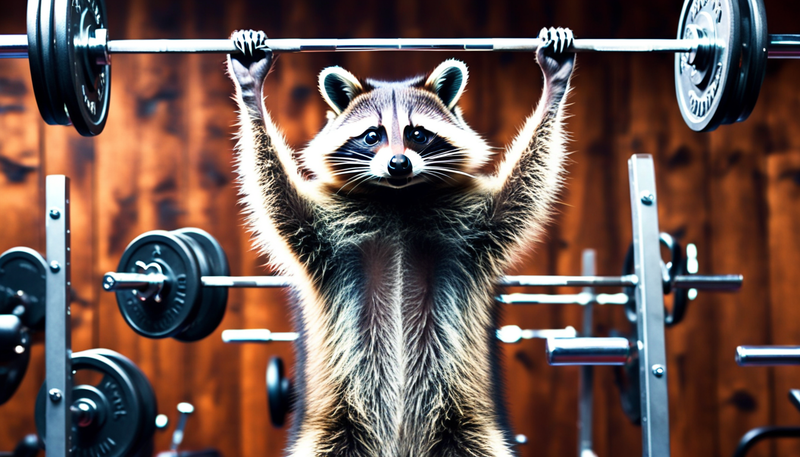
707,91
755,41
23,269
84,85
13,363
180,296
116,426
42,65
144,389
214,299
279,392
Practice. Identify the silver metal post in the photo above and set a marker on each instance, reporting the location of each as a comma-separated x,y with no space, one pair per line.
752,356
649,307
58,344
586,379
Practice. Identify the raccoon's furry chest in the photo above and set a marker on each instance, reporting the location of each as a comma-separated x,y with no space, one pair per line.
409,300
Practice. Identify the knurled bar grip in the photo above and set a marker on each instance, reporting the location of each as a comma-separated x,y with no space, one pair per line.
751,356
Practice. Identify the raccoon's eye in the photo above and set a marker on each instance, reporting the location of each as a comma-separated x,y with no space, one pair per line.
372,137
418,136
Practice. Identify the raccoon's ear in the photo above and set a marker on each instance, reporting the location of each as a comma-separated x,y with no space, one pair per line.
448,81
338,87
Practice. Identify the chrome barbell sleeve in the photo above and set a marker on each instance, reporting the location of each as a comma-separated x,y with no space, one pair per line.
588,351
132,281
751,356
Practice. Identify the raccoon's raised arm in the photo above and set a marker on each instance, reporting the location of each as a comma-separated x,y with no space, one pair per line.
529,178
272,186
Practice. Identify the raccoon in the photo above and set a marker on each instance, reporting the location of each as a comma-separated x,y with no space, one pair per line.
395,243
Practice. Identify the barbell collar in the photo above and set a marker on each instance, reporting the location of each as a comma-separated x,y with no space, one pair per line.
752,356
588,351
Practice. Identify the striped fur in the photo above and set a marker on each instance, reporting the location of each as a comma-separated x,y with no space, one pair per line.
395,282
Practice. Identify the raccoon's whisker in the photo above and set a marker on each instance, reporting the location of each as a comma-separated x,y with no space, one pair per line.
356,152
348,172
450,170
436,174
447,153
366,178
361,176
356,161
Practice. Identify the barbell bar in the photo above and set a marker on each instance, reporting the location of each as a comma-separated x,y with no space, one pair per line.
506,334
16,46
721,51
114,281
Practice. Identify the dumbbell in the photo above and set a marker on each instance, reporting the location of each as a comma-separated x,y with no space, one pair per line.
159,284
114,417
22,308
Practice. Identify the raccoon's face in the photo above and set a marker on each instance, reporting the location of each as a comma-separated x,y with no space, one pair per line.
395,134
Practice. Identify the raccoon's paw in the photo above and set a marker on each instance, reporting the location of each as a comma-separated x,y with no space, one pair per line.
553,55
254,59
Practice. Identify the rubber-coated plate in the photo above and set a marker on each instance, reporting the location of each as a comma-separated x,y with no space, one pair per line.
116,423
180,296
755,41
16,346
23,270
84,85
214,299
144,389
707,88
279,392
42,63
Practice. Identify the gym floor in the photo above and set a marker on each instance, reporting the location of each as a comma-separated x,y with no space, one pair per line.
165,161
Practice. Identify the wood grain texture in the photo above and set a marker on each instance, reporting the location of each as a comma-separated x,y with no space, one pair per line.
166,161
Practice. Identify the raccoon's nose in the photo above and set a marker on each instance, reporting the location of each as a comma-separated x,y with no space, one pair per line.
399,166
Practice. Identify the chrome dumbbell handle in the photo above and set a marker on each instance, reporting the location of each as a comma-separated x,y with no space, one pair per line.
751,356
256,335
588,351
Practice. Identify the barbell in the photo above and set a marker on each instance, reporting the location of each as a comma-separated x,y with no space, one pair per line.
721,52
175,284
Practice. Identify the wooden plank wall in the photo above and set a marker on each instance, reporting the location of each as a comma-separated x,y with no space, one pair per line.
165,162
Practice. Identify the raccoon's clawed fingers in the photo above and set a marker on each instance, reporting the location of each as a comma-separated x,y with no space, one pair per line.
252,63
248,42
554,55
558,40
